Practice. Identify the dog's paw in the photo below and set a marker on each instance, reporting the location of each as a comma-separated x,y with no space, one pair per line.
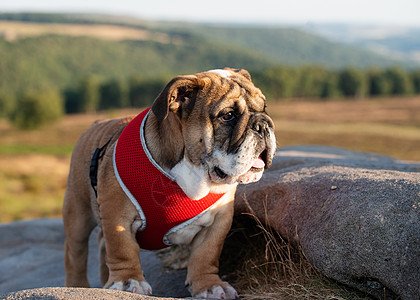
218,292
132,286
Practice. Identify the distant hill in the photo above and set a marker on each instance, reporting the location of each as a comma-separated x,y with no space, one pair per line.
401,43
37,50
290,46
61,60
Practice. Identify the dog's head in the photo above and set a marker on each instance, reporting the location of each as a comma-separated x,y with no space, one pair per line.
225,128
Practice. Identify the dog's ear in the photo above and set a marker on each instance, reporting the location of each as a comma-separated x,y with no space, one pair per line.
178,96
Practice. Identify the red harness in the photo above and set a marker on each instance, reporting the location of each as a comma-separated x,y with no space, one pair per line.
163,206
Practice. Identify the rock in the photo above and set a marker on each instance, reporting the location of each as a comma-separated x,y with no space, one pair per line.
355,215
32,256
75,294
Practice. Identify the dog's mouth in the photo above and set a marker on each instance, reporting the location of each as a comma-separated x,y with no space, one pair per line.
260,163
220,173
257,166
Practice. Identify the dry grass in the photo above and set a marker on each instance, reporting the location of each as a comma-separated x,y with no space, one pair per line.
58,138
31,186
14,30
262,265
34,166
385,126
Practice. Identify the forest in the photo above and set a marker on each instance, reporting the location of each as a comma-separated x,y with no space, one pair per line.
90,94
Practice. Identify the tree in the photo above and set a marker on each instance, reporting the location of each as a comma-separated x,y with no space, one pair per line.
277,82
135,91
6,105
284,82
311,81
35,109
144,92
379,83
352,83
330,87
89,94
415,78
400,81
72,101
112,95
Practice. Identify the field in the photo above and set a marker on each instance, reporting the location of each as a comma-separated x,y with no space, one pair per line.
34,164
12,30
384,126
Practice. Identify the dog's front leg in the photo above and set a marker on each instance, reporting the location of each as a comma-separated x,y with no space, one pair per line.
203,266
122,255
118,218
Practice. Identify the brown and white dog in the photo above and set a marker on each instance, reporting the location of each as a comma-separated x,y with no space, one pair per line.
207,132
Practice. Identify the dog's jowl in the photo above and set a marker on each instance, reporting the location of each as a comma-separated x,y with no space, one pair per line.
167,176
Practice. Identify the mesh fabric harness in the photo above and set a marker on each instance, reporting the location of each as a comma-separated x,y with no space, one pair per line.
162,205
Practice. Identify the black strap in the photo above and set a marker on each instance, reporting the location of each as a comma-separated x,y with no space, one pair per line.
94,164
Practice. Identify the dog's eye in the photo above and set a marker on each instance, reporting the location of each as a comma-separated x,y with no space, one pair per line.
227,117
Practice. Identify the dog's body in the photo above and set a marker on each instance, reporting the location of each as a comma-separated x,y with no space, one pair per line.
209,131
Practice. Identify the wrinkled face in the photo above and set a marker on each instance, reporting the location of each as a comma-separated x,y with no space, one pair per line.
226,133
224,125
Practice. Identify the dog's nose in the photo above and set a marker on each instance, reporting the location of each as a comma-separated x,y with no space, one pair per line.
260,124
260,127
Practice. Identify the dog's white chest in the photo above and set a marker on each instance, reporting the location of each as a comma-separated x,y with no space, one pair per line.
186,234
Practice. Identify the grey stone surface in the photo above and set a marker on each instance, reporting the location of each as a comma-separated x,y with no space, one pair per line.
356,216
32,256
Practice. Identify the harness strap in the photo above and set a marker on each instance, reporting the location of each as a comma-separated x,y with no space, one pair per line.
159,200
94,164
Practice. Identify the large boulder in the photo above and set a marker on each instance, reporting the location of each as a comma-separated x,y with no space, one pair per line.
355,215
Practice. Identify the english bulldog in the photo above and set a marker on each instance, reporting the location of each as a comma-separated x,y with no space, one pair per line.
167,176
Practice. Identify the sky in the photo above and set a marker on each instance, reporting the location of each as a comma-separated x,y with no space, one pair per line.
383,12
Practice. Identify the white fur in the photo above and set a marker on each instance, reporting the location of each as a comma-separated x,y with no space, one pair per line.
193,180
218,188
217,292
136,225
236,164
223,73
133,286
273,142
184,234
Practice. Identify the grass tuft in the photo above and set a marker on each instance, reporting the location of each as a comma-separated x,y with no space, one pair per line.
260,264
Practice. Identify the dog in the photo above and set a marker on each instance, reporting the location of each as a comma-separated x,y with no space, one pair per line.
203,135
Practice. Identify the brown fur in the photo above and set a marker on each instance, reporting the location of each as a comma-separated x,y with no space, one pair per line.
176,127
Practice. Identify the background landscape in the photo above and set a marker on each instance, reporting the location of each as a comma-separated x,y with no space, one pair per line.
60,72
343,85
